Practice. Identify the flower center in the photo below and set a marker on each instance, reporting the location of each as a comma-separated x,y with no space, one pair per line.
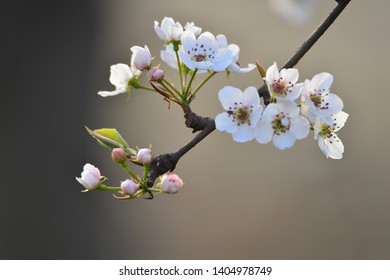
201,53
240,113
281,123
317,100
279,88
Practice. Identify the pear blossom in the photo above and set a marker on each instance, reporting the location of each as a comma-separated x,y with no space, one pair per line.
144,155
120,76
155,74
243,111
283,85
234,66
169,29
171,183
296,12
282,124
168,55
141,58
318,101
129,186
90,177
328,141
204,53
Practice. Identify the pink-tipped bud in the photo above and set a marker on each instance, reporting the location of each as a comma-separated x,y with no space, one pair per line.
155,74
144,155
118,155
129,186
171,183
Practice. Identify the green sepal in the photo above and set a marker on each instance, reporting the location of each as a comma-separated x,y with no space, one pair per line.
108,137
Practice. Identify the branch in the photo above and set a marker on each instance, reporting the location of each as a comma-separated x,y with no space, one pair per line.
306,46
167,162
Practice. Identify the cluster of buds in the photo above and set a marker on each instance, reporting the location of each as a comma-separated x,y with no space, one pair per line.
135,186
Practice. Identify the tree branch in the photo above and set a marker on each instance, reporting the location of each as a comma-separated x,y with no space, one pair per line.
306,46
167,162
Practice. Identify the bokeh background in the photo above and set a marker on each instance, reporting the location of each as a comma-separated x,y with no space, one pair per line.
240,201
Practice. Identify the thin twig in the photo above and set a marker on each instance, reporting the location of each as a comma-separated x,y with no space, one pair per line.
306,46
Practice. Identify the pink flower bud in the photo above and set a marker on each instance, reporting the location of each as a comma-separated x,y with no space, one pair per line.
171,183
118,155
129,186
155,74
144,155
141,58
90,177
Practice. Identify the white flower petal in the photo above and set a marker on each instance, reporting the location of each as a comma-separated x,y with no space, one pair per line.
264,132
272,73
230,96
222,41
305,110
243,134
288,108
283,140
295,92
300,127
339,120
332,102
251,97
290,75
120,75
222,60
225,123
321,82
112,93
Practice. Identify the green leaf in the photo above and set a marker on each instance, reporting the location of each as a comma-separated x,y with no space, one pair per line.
108,137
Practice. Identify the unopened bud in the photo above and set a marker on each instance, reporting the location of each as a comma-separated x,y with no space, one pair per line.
171,183
129,186
118,155
90,177
144,155
155,74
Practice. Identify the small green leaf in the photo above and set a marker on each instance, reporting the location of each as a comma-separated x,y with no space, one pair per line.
108,137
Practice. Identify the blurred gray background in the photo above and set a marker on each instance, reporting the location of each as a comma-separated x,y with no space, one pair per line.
240,201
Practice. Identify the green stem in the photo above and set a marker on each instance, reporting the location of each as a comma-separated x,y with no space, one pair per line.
146,169
189,85
180,71
108,188
127,169
168,86
157,190
202,83
146,88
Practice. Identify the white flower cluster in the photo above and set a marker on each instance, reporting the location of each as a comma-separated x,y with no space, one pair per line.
197,51
281,121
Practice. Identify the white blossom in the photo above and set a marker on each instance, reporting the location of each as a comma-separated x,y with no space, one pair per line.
328,141
120,76
282,124
203,53
318,100
243,111
90,177
283,85
169,29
